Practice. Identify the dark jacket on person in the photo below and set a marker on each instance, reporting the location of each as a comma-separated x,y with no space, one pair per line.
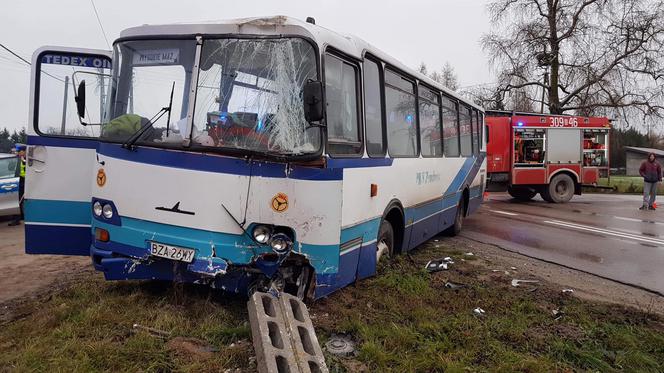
651,171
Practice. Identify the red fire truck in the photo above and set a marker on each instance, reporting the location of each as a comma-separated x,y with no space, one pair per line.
553,155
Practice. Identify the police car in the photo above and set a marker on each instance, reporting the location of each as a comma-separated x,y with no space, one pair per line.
8,185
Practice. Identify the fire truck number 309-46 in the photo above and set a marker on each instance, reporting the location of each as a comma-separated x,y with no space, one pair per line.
563,122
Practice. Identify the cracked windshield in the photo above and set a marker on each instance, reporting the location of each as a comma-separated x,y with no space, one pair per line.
148,85
249,96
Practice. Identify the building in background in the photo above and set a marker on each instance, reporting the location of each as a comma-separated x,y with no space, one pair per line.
635,156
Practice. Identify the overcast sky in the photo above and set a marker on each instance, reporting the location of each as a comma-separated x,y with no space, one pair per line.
412,31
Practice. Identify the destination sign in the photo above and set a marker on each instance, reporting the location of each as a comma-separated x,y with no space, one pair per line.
156,57
76,60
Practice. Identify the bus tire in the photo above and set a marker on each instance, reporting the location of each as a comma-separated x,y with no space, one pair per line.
385,241
561,188
458,219
521,193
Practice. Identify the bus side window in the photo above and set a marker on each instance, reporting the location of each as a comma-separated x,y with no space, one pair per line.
342,110
400,110
430,131
476,131
465,124
373,113
450,128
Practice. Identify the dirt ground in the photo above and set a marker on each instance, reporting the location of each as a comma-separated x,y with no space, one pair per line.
22,274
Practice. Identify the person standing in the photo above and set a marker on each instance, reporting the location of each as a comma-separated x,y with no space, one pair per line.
651,172
20,173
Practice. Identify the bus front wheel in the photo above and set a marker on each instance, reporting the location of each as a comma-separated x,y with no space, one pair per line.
385,242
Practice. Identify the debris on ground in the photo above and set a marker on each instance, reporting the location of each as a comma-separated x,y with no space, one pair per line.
558,314
516,282
453,286
152,331
439,264
191,347
469,254
479,312
568,291
341,345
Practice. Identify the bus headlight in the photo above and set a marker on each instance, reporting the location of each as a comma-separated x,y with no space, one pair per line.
262,234
280,243
97,209
107,210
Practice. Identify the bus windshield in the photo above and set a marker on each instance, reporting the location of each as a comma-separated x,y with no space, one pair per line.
248,94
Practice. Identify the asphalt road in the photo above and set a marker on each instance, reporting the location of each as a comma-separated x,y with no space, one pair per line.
602,234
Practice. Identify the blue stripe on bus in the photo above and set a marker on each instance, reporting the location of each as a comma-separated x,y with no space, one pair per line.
57,240
217,163
63,142
57,212
358,162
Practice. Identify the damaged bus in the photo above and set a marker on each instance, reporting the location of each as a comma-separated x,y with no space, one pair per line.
244,154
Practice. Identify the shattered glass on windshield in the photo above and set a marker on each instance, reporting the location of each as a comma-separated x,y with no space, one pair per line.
249,96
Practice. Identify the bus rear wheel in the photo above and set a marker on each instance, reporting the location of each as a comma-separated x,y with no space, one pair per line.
458,219
521,193
385,242
560,189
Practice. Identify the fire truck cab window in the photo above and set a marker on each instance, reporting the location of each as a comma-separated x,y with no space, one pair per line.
594,148
529,147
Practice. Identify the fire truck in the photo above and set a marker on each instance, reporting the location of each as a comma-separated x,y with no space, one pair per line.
553,155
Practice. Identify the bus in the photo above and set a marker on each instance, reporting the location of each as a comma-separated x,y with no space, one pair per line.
249,154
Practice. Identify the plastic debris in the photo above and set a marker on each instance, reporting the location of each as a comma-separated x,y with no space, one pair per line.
568,291
513,268
454,286
439,264
152,331
470,254
558,314
340,345
516,282
479,312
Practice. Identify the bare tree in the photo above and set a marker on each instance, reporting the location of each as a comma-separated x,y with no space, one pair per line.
581,56
447,76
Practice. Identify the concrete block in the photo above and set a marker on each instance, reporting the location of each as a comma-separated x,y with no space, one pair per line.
283,335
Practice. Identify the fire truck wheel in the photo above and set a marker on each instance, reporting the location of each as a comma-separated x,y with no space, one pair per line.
561,188
545,194
385,242
521,193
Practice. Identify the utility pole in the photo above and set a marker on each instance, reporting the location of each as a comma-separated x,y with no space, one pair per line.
64,107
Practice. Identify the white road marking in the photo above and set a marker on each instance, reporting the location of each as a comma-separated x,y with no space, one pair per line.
606,232
627,219
504,212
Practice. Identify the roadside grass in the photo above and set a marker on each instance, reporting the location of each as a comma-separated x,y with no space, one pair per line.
406,320
626,184
403,320
88,327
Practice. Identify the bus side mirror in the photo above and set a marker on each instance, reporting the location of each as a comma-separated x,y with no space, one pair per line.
80,99
313,101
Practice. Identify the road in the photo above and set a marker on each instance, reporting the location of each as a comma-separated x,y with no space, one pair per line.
602,234
21,274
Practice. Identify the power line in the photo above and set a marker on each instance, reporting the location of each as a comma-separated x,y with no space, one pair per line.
100,25
16,55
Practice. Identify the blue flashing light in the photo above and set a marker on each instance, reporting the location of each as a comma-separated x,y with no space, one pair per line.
409,118
520,124
259,126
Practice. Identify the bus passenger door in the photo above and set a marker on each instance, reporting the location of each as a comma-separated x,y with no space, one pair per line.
61,154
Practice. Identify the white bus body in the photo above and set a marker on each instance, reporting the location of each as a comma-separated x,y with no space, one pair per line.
128,205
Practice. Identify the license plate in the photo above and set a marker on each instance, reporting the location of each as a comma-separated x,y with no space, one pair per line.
171,252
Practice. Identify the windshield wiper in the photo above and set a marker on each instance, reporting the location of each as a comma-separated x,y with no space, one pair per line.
129,144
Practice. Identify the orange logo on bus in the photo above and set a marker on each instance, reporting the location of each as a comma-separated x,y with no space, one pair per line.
101,177
280,202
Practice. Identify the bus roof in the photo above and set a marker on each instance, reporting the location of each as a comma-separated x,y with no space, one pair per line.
350,45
